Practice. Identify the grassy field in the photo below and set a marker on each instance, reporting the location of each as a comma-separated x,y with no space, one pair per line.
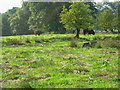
59,61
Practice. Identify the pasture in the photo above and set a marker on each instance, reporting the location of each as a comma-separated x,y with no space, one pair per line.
59,61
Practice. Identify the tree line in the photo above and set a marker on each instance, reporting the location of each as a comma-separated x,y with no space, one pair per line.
61,17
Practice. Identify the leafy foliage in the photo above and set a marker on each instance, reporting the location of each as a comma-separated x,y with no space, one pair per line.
6,29
18,21
106,19
45,17
109,43
108,16
77,17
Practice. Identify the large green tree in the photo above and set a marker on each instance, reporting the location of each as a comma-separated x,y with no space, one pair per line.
77,17
0,24
105,20
45,16
92,6
116,20
19,20
6,29
118,27
102,7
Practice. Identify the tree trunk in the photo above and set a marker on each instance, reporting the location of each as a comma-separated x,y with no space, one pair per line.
112,31
118,30
77,34
106,30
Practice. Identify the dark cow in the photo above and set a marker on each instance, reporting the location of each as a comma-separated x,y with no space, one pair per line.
89,44
86,31
38,32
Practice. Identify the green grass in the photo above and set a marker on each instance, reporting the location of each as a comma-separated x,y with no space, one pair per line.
54,63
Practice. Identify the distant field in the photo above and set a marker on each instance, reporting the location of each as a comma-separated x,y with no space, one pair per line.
59,61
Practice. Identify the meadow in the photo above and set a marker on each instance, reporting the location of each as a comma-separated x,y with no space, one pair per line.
60,61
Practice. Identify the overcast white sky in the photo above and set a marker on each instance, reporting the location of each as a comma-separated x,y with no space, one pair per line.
9,4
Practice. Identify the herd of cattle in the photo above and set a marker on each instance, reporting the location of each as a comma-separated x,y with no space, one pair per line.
86,31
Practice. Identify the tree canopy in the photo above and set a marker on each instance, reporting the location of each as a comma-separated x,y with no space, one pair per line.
19,20
6,29
45,16
56,17
76,17
105,19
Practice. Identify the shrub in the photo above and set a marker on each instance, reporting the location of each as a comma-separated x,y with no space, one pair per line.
25,84
73,43
109,43
98,45
14,42
37,39
28,40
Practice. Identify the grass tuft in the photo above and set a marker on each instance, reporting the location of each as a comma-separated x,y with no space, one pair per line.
109,43
73,43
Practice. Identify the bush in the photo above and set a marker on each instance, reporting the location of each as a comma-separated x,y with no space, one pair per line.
109,43
14,42
37,39
28,40
73,43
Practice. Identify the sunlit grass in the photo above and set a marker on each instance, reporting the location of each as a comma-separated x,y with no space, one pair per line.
53,63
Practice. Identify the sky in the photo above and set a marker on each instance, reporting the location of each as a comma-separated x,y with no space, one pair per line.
9,4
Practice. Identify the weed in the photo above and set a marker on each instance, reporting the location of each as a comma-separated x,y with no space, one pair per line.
28,40
109,43
16,42
25,85
73,43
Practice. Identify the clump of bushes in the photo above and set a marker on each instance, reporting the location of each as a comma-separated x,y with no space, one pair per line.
73,43
25,84
16,42
28,40
37,40
97,38
13,42
109,43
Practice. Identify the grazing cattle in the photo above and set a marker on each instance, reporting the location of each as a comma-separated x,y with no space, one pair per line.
73,31
38,32
89,44
86,31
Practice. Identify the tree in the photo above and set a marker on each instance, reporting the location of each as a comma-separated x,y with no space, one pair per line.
92,6
77,17
0,24
6,29
19,20
105,20
113,6
45,16
116,20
